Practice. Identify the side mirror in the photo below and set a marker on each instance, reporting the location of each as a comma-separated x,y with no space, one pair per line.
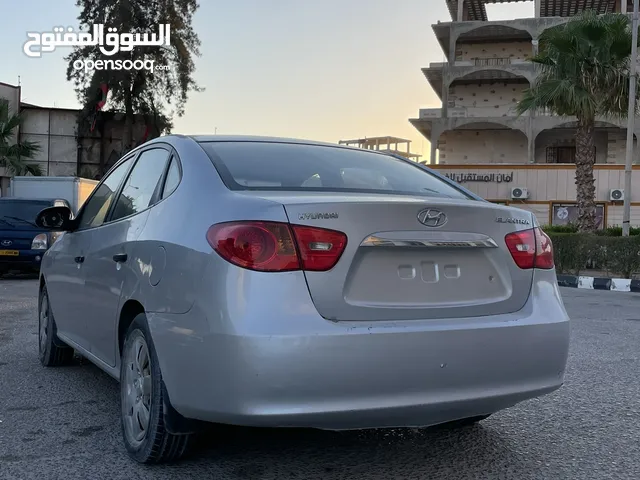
55,218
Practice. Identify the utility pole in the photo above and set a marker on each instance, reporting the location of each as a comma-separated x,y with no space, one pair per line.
631,117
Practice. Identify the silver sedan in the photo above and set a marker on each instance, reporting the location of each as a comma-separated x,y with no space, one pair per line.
274,282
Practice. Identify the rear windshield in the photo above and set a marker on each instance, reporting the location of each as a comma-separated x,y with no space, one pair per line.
289,166
20,214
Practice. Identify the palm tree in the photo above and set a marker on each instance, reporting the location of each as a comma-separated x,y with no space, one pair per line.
583,72
15,156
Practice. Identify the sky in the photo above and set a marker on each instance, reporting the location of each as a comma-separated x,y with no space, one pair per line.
321,70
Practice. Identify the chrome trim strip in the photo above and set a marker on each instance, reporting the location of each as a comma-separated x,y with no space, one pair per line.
379,241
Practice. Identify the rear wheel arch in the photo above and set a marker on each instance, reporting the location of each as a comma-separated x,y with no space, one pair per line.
130,310
133,313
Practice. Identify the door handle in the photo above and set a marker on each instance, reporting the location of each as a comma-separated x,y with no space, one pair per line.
79,259
120,258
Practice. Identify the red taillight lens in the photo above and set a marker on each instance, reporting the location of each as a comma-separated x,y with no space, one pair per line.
270,246
544,250
320,249
263,246
530,248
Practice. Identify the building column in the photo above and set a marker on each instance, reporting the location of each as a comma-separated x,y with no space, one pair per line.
538,5
434,147
531,147
445,95
460,10
623,6
453,40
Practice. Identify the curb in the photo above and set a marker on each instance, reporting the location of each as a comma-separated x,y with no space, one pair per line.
599,283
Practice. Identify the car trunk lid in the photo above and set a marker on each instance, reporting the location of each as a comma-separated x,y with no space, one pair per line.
396,267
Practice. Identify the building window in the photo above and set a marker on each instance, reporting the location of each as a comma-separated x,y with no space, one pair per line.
567,214
566,154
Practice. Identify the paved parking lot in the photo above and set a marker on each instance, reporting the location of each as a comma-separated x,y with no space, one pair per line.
63,423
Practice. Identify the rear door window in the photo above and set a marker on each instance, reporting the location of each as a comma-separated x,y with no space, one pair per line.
289,166
173,178
139,189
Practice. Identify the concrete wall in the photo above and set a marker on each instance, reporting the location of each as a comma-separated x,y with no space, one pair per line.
566,137
99,154
487,100
55,132
547,185
553,183
483,146
514,50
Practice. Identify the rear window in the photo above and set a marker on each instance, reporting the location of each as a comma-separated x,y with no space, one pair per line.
288,166
20,214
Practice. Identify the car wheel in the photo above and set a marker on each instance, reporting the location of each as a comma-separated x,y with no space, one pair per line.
51,350
142,402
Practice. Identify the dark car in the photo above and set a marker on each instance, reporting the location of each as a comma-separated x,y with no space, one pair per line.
22,242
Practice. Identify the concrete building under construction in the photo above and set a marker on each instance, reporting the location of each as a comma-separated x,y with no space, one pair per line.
476,132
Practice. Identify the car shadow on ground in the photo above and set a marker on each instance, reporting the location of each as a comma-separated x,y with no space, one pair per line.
19,276
246,452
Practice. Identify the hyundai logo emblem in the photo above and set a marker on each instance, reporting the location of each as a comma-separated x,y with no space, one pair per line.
432,217
6,243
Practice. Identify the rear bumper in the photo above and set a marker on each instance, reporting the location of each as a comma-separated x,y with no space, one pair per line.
26,260
365,375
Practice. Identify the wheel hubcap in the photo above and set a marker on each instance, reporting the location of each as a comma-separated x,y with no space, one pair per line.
43,319
137,394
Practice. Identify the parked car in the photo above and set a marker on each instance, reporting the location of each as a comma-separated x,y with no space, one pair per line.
273,282
22,242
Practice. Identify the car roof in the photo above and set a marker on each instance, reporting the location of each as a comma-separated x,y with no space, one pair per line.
27,200
265,139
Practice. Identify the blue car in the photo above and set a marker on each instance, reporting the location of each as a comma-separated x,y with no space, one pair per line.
22,242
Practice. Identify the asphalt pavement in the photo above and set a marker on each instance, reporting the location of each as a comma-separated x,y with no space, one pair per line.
63,423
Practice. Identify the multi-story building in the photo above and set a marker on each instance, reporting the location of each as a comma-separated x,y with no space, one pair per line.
384,144
476,136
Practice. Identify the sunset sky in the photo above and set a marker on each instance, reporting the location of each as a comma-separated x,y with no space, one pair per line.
323,70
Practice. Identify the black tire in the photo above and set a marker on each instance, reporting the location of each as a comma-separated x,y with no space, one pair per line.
154,444
52,351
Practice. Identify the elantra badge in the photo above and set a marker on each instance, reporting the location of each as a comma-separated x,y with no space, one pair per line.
517,221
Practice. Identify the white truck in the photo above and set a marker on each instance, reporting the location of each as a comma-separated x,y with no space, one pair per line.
74,190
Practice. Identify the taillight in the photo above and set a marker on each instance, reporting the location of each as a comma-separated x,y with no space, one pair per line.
277,247
530,248
544,250
320,249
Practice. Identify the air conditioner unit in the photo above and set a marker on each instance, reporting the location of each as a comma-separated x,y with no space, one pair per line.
616,195
519,193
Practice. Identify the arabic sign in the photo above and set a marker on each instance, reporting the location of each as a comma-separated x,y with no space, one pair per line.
49,41
475,177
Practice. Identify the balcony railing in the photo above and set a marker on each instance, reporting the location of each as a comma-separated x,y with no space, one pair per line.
492,62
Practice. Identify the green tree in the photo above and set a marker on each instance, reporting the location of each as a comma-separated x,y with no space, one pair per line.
583,71
15,155
138,92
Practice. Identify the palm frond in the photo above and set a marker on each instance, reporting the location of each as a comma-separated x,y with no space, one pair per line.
16,156
583,68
